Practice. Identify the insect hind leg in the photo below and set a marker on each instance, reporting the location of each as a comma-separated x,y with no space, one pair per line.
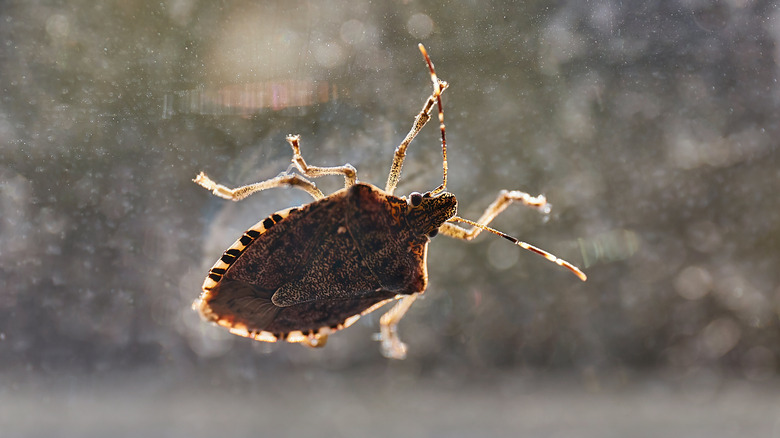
316,342
242,192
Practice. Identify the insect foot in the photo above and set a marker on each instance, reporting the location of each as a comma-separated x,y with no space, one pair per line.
392,347
305,272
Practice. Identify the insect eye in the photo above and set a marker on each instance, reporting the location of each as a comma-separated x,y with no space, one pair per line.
415,199
433,233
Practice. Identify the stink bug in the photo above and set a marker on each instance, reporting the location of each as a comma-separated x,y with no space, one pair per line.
305,272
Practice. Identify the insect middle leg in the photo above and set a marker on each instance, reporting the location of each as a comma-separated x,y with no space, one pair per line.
297,181
392,346
349,171
503,200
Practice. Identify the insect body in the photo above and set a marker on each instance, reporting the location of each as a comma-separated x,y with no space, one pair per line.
308,271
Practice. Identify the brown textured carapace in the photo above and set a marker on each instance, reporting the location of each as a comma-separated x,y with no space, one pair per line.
305,271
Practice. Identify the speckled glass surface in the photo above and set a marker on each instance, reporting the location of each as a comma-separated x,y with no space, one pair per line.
651,127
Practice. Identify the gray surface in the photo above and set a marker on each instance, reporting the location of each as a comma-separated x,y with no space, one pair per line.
650,126
384,403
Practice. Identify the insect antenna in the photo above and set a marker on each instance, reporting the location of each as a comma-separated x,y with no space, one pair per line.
438,87
575,270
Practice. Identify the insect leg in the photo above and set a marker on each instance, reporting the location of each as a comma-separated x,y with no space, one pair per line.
392,346
503,200
500,204
242,192
437,85
317,342
349,172
422,118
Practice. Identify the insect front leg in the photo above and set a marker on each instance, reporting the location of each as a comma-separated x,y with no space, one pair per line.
422,118
400,152
349,172
503,200
392,346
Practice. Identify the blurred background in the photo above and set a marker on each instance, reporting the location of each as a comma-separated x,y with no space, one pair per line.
649,125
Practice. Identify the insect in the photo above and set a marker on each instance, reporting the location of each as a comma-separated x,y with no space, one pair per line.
305,272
